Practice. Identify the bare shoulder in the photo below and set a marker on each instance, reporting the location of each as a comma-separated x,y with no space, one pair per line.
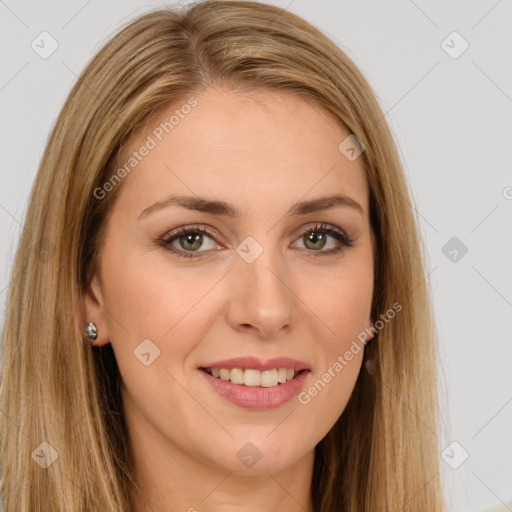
505,507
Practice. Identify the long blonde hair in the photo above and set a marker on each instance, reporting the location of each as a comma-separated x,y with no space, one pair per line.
382,453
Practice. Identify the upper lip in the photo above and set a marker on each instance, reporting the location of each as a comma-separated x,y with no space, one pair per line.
249,362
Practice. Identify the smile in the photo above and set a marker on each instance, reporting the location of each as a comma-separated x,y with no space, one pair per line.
253,377
265,389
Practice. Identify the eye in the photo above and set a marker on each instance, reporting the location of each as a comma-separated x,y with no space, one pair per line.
187,240
316,238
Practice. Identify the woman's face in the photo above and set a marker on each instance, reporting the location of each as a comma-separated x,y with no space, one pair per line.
276,280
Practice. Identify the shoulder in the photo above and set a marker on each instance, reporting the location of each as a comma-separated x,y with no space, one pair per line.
505,507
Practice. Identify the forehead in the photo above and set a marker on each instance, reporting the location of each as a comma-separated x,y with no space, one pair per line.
242,147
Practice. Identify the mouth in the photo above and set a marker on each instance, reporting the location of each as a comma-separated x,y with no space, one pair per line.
257,389
254,378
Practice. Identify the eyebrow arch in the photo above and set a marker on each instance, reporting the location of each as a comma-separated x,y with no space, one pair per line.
223,208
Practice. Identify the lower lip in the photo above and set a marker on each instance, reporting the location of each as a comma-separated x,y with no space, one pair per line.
258,397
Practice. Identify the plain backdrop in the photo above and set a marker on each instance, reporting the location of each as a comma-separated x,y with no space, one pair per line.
441,71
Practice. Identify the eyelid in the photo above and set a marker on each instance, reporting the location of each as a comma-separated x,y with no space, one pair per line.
339,234
319,226
166,239
343,239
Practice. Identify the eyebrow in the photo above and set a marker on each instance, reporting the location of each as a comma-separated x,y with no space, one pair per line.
222,208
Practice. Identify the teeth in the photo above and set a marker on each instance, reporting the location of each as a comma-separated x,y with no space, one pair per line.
237,376
254,378
269,378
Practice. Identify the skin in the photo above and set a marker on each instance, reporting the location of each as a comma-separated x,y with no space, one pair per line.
262,152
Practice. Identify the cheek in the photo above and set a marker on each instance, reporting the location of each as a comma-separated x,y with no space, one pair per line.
344,306
150,299
342,301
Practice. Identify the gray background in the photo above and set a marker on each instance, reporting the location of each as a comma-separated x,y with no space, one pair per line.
452,120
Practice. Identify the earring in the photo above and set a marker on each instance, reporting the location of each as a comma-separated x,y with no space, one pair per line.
370,366
89,331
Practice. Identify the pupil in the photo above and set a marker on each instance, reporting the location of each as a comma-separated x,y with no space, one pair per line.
314,238
191,239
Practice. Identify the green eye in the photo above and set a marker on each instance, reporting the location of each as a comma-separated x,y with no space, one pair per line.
316,237
191,239
195,241
317,241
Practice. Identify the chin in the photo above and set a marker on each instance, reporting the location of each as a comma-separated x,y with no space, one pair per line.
258,456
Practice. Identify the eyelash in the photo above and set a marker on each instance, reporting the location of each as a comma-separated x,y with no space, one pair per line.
166,241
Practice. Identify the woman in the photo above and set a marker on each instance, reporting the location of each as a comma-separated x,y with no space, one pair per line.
220,301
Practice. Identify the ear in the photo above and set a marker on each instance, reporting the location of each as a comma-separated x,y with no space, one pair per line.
89,308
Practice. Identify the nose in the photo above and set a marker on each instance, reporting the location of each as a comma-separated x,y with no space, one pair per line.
262,297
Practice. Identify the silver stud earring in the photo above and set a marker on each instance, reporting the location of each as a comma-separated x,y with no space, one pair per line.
370,366
89,331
